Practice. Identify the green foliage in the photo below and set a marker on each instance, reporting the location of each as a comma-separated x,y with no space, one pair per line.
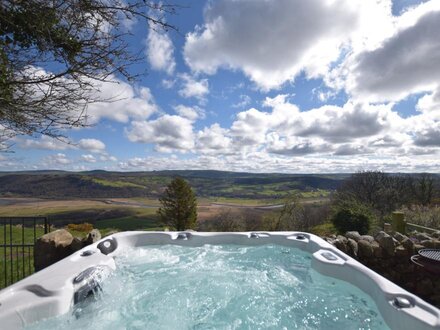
325,229
81,227
179,205
352,217
115,184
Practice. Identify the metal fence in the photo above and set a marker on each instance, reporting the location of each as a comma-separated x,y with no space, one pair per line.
17,239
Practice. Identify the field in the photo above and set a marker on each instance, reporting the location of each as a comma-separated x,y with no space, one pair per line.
118,214
127,213
16,262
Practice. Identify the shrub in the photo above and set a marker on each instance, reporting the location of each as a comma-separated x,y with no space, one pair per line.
226,220
352,218
324,229
237,220
428,216
82,227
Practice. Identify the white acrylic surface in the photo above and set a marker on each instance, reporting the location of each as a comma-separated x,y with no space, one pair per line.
50,292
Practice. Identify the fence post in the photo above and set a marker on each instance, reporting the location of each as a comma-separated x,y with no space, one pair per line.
398,223
46,225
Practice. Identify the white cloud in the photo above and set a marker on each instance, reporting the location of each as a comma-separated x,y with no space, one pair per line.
9,163
352,149
429,102
251,126
160,51
126,103
263,162
45,143
336,124
168,133
193,88
285,130
272,42
107,158
296,146
113,99
425,129
168,83
88,158
92,145
57,160
406,63
48,143
429,137
244,101
384,61
213,139
351,129
191,113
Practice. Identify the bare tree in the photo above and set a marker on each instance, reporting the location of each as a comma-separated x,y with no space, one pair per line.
54,54
226,220
291,216
381,191
424,188
315,214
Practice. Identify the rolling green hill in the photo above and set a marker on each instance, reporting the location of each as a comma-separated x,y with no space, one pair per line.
102,184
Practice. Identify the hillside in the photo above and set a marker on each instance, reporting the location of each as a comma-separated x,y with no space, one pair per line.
102,184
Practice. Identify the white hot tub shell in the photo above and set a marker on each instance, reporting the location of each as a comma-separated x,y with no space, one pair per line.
54,290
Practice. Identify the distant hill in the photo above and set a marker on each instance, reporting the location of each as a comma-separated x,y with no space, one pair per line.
102,184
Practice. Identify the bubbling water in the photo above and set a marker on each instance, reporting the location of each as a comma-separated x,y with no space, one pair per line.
220,287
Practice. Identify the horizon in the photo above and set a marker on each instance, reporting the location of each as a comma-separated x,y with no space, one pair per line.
228,93
208,170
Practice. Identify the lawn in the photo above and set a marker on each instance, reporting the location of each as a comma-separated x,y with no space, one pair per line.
16,262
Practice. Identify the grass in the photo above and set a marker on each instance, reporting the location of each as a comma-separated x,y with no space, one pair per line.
116,184
325,229
48,210
144,219
16,262
16,233
146,200
239,201
320,193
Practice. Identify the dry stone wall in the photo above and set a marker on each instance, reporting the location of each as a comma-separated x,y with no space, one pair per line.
59,244
389,255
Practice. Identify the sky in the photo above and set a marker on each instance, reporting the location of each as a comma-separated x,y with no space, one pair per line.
291,86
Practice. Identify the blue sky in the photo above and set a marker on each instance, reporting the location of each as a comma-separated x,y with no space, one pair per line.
268,86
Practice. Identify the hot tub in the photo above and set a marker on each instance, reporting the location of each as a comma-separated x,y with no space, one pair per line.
211,280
